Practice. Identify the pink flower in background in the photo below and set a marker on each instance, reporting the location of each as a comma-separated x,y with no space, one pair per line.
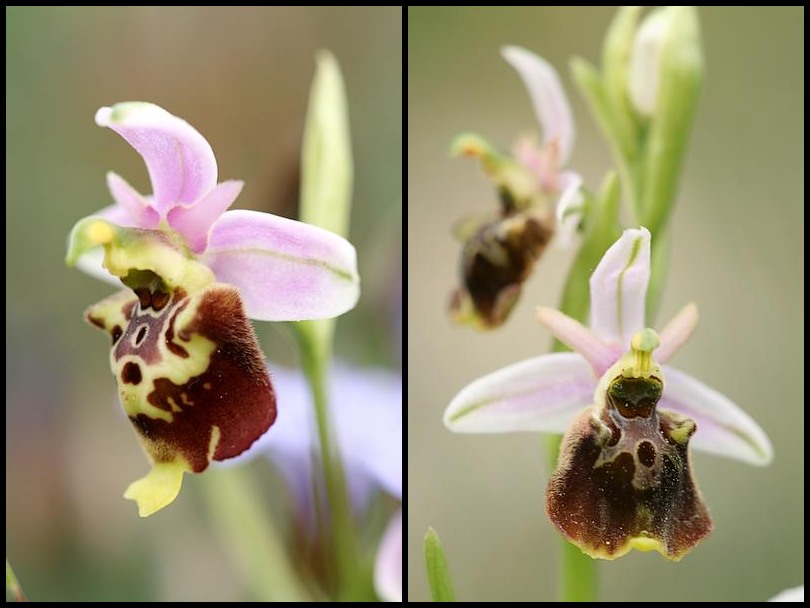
539,201
388,567
366,414
546,160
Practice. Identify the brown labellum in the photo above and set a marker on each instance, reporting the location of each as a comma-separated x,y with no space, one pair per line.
190,373
624,480
495,262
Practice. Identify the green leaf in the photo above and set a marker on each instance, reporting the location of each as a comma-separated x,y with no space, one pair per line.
441,589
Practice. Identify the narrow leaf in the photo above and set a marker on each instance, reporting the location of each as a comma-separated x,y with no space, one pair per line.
441,589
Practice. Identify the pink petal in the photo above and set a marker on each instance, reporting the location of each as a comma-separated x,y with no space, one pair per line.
579,338
194,221
137,209
388,568
180,162
569,207
548,96
619,288
539,394
285,270
723,428
677,332
542,162
527,152
118,215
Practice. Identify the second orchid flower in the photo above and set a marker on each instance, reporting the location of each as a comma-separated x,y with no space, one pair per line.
624,478
538,199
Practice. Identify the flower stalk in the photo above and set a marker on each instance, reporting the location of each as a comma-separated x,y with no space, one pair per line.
622,477
326,202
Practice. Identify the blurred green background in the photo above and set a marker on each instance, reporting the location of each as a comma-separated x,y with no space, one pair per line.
737,246
241,76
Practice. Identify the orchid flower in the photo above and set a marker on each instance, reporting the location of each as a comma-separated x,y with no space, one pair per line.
623,479
537,199
191,376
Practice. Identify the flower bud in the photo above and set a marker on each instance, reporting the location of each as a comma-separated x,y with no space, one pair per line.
666,57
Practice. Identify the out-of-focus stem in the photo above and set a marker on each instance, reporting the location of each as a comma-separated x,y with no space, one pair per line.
249,537
13,585
315,340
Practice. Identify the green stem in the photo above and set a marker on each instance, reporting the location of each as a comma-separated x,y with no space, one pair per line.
326,187
248,535
13,585
315,340
577,581
658,268
578,571
579,578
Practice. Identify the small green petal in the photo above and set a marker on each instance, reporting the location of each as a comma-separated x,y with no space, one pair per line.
137,256
158,488
513,180
88,233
